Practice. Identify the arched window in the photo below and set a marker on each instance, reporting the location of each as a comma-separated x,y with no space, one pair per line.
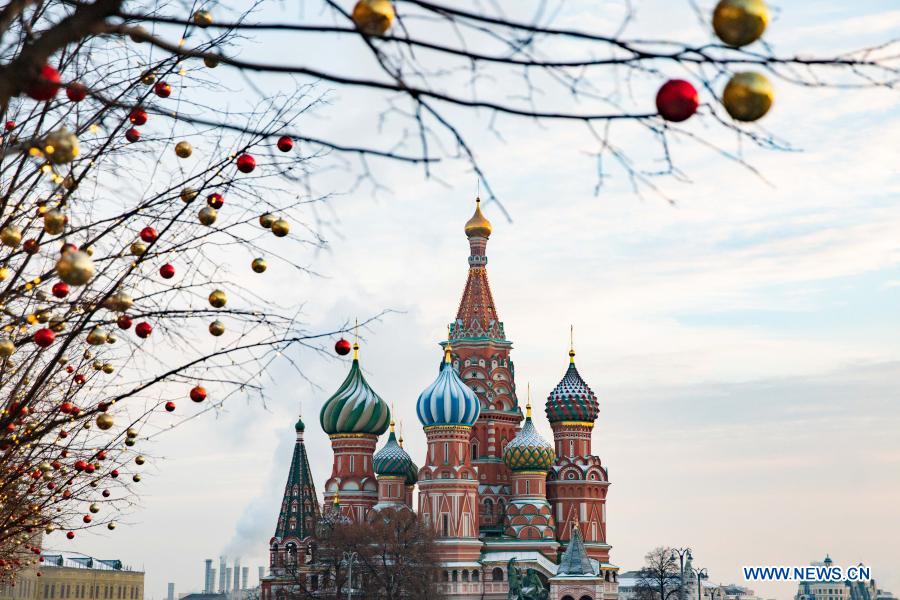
568,598
474,450
455,575
489,507
465,575
497,575
585,597
474,575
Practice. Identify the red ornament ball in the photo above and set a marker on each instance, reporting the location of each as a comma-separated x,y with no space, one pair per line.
124,322
106,493
342,347
170,406
90,468
66,407
76,92
677,100
60,289
10,125
114,473
198,393
31,246
215,200
143,329
44,337
86,518
285,143
46,85
80,379
148,234
162,89
138,116
70,535
167,271
68,247
132,135
246,163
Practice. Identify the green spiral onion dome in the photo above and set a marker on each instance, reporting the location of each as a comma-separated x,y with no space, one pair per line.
355,407
393,461
572,399
529,451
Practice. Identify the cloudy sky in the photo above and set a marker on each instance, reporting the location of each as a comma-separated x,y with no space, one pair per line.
744,343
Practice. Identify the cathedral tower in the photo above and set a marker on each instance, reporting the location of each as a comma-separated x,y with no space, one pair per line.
448,484
481,356
396,473
353,418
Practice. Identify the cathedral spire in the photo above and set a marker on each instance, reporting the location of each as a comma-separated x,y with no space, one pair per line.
477,316
300,506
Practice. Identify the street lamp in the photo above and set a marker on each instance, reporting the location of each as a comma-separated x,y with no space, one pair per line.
350,558
682,553
701,574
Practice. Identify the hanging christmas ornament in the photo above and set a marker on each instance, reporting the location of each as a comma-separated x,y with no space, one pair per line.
143,329
44,337
342,347
139,460
148,78
216,328
94,508
96,337
748,96
138,248
210,61
281,228
285,143
131,432
740,22
137,116
119,302
188,195
124,322
31,246
61,146
373,17
132,135
55,221
217,299
207,215
7,347
203,18
677,100
258,265
105,421
167,271
76,92
60,289
46,84
136,478
75,267
10,125
107,367
170,407
70,535
11,236
266,220
198,393
162,89
149,234
246,163
183,149
111,525
215,200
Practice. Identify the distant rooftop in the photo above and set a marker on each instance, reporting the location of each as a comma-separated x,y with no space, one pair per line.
76,560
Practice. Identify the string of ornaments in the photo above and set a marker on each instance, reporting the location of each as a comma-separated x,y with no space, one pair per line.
748,95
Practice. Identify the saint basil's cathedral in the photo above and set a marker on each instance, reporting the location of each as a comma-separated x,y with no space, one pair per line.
491,486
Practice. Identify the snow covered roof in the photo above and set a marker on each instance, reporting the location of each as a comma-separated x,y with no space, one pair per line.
76,560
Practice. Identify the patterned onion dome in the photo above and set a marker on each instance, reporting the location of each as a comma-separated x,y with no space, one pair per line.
355,407
392,460
448,401
572,399
529,451
478,225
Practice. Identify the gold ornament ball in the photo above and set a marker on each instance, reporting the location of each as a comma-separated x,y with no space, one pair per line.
61,146
111,525
75,267
189,195
119,302
281,228
96,337
108,368
748,96
211,62
105,421
4,273
217,299
136,477
266,220
7,347
55,221
183,149
94,508
11,236
259,265
138,248
207,215
148,78
139,460
97,365
373,17
203,18
57,325
129,442
131,433
740,22
217,328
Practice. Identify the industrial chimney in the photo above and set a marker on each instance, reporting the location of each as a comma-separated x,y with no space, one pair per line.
262,573
222,575
207,576
228,580
236,571
245,575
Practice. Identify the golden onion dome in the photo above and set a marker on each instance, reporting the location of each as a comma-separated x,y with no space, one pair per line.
478,225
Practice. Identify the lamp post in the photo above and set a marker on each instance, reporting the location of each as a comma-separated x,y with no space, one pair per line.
682,554
701,574
350,558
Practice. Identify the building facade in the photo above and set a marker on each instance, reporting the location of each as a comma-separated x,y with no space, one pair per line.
73,576
516,516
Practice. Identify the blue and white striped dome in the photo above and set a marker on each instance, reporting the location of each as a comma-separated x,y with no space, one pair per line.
448,401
